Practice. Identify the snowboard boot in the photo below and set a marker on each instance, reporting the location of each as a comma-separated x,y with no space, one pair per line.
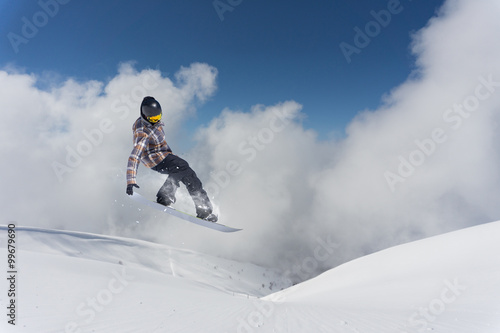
165,200
205,213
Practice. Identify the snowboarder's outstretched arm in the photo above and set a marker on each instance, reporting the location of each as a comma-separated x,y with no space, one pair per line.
134,158
150,148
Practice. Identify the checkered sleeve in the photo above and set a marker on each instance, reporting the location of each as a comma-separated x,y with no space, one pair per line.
134,158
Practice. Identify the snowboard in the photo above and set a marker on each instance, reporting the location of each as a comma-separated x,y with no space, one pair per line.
185,216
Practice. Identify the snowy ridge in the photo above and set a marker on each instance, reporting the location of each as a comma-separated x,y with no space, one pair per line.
80,282
226,275
447,283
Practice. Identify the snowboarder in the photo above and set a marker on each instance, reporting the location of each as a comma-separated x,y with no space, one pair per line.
151,148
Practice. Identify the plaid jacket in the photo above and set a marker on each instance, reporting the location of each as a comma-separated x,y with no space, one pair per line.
150,147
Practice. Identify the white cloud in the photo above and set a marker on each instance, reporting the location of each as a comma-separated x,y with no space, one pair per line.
296,189
292,194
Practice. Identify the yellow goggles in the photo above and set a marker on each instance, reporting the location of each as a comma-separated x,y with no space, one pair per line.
154,119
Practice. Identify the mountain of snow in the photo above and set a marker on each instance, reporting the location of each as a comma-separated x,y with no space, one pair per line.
80,282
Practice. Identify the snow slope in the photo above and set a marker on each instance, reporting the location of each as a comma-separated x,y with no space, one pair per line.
448,283
79,282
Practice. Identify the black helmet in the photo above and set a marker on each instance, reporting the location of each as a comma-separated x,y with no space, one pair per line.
150,108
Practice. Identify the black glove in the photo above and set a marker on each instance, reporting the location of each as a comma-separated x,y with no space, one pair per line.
130,188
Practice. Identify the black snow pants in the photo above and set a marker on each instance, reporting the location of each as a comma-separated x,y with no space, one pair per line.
178,170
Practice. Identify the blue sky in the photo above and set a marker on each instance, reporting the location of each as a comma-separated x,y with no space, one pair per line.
265,51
